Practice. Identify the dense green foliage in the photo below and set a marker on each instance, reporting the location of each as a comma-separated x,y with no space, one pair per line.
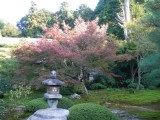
7,71
90,111
151,67
108,81
65,103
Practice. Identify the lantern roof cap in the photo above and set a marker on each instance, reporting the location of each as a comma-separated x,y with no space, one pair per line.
52,81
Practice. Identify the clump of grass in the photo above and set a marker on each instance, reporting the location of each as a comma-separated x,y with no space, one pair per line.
148,115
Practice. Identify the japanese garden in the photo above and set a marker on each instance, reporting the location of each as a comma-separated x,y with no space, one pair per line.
82,64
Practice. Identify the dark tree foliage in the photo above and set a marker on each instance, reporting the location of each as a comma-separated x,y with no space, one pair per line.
151,67
85,12
152,19
151,63
107,11
64,14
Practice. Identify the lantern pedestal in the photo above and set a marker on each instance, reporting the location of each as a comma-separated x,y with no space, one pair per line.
50,114
52,99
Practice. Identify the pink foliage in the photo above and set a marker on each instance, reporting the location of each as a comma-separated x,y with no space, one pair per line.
84,40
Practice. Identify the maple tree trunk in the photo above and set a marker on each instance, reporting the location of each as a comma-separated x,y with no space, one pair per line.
133,72
80,77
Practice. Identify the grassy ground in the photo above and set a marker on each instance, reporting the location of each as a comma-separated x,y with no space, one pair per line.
141,97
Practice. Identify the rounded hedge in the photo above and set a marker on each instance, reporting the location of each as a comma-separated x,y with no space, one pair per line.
40,103
36,104
90,111
65,103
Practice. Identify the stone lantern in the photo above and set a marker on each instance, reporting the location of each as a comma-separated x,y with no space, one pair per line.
52,94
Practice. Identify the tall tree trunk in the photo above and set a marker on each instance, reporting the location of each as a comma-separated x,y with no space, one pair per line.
127,17
127,10
139,72
80,78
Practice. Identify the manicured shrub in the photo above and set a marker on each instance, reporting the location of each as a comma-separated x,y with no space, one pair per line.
90,111
36,104
65,103
96,86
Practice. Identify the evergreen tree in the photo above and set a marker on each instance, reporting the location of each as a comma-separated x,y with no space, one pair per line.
151,63
85,12
107,11
31,24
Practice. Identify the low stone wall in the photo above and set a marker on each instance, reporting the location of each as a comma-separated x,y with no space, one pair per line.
12,41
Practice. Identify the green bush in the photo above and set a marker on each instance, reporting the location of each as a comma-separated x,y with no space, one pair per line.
152,87
134,86
90,111
66,90
36,104
4,84
8,67
65,103
78,89
104,80
151,79
96,86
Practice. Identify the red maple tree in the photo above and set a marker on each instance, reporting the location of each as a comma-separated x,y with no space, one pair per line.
85,45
